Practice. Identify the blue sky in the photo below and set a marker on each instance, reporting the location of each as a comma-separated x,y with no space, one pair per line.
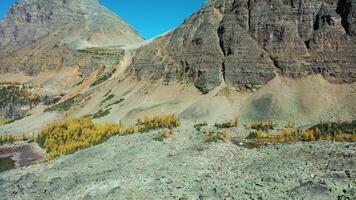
149,17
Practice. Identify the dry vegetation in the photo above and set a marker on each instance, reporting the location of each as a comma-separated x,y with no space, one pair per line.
228,123
11,138
70,135
103,77
100,51
147,124
164,134
263,125
219,135
16,100
327,132
65,105
199,126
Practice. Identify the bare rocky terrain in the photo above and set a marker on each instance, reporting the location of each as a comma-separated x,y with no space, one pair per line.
185,167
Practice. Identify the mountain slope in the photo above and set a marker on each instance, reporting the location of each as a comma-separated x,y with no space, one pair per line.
246,43
38,35
284,60
77,21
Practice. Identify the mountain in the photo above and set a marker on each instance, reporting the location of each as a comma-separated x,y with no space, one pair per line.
247,99
245,44
39,35
253,59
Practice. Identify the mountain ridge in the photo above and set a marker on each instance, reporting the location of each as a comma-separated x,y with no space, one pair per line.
231,42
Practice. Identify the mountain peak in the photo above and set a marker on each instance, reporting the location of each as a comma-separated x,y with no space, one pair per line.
79,23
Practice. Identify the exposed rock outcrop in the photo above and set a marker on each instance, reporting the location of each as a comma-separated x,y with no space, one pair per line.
41,35
245,43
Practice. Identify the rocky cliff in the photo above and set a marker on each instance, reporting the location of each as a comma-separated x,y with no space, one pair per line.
40,35
246,43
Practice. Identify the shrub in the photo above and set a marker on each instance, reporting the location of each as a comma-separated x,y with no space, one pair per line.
67,136
11,138
7,138
166,121
260,135
327,132
70,135
334,128
228,124
200,125
164,134
216,136
5,121
264,125
224,135
211,138
290,124
16,100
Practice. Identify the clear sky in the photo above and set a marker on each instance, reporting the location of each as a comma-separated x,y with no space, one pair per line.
149,17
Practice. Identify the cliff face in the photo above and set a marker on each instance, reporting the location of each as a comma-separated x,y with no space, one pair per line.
246,43
45,34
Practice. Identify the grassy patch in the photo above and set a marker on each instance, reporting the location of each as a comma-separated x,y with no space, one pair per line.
228,124
65,105
101,113
6,121
115,102
102,78
108,98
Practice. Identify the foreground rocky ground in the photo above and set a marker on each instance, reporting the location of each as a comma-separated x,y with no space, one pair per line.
185,167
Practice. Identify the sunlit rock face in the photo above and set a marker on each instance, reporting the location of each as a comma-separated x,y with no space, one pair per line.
45,34
246,43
